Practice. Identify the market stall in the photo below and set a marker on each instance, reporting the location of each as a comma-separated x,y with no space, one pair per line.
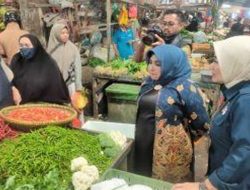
53,155
47,153
101,79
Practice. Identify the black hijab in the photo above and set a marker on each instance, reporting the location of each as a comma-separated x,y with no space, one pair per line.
5,90
38,79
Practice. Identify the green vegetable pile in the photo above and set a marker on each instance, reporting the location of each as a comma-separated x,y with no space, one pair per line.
94,62
110,148
34,155
119,67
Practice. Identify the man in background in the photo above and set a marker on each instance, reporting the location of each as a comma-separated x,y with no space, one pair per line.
236,29
9,37
172,22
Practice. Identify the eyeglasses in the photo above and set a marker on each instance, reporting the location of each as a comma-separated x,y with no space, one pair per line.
163,23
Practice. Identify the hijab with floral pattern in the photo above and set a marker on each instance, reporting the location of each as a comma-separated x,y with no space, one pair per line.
174,65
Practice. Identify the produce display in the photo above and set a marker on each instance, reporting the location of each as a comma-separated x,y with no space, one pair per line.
6,131
42,159
123,68
112,143
38,114
199,63
95,61
84,174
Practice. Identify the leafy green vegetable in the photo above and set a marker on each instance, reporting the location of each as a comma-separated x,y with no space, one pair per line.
32,156
186,34
112,152
119,67
110,148
106,141
10,183
94,61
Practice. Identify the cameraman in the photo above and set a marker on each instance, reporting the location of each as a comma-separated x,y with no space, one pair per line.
172,22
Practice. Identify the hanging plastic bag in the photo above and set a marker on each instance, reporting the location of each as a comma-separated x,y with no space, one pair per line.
132,13
115,12
123,17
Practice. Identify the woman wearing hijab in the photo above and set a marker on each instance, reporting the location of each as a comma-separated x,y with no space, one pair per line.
169,107
36,74
229,153
68,59
67,56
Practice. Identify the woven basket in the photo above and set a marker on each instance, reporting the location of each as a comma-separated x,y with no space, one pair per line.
29,125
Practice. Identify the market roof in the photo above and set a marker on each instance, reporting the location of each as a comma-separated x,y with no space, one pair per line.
243,3
183,4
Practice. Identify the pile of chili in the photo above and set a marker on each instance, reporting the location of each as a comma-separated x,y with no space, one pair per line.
6,131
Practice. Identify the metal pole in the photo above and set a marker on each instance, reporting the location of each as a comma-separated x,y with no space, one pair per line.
108,10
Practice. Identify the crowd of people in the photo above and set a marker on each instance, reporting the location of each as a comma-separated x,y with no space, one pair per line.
30,73
171,112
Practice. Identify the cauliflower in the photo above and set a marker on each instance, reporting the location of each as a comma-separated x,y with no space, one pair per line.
91,171
84,174
119,138
81,180
78,164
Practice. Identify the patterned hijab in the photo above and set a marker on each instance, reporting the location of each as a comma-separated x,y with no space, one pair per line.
64,54
174,65
233,56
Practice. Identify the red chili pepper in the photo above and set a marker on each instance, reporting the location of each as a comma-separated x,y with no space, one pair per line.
6,131
38,114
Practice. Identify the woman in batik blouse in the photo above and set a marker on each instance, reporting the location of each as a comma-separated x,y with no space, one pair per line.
170,109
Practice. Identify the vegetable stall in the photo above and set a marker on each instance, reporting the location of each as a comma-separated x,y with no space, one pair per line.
45,152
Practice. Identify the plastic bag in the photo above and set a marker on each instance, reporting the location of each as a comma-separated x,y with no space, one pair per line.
123,17
132,13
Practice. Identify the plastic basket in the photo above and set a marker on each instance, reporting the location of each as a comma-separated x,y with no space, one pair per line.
133,179
104,127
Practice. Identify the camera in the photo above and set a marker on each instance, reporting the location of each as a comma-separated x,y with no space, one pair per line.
150,37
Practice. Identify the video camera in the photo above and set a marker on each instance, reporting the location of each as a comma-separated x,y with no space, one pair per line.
150,38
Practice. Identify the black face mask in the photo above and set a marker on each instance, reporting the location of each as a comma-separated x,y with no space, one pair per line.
27,53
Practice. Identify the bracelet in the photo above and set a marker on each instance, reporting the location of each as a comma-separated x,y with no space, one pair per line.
202,186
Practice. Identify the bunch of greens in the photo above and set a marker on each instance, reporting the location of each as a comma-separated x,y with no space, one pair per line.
94,61
50,181
119,67
131,65
110,148
32,156
186,34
